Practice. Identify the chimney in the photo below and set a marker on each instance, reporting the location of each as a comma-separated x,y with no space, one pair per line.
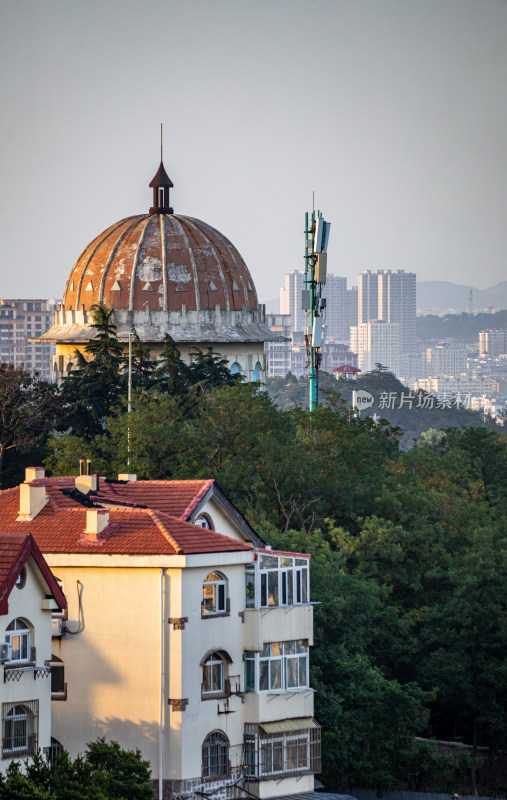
34,473
97,520
32,499
86,483
127,476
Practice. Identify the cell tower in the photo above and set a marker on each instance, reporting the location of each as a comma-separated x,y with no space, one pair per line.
316,240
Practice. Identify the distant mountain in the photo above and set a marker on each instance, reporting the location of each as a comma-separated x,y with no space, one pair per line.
438,297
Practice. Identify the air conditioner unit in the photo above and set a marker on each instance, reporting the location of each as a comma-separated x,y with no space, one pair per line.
56,627
5,651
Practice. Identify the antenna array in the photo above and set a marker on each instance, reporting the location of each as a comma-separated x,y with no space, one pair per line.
316,240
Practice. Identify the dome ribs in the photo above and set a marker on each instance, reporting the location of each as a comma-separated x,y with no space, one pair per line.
209,242
178,222
226,244
112,255
135,263
161,218
95,244
165,271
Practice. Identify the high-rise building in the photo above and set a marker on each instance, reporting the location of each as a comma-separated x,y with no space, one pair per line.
290,299
352,295
376,342
445,360
389,297
492,343
20,320
367,297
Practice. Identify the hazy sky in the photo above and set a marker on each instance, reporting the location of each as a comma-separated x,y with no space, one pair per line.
393,111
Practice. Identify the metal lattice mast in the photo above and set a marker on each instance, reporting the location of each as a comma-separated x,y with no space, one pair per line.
316,240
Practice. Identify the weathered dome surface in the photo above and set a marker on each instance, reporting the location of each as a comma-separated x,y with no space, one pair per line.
160,262
162,274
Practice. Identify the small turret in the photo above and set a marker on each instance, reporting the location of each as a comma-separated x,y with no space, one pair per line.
161,184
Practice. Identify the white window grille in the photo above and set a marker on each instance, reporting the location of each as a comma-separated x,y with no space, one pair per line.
20,724
282,753
215,755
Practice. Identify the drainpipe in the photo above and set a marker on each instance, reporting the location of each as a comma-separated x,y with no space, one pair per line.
162,687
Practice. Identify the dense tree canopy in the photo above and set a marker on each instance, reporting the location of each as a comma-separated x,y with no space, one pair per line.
28,412
105,772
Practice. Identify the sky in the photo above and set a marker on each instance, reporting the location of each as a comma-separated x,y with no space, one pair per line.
391,113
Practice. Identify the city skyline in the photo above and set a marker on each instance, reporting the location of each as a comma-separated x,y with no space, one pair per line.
391,113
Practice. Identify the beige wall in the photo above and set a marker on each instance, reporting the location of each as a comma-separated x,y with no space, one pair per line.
112,667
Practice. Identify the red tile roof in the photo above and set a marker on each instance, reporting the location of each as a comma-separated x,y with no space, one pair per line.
60,526
15,549
177,498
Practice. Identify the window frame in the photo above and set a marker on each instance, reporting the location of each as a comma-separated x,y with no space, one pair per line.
14,713
269,756
209,670
215,741
277,580
218,597
19,629
269,671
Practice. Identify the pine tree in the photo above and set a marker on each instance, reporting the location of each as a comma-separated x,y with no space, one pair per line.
92,390
172,374
209,370
143,366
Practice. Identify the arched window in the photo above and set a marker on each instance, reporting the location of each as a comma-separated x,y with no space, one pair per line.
214,594
204,521
20,728
213,674
58,685
256,374
235,369
215,755
18,635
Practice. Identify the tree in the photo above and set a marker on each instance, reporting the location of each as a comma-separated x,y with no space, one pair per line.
28,411
172,373
92,390
208,369
120,773
105,772
143,366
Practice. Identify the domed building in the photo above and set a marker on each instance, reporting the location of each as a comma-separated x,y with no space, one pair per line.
163,273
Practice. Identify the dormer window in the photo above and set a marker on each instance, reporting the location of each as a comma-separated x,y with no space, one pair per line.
204,521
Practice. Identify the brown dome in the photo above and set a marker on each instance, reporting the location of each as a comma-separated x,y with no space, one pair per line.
160,262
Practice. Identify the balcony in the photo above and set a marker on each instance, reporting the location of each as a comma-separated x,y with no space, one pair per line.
277,623
272,706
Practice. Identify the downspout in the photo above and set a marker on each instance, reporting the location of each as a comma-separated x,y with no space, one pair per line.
162,687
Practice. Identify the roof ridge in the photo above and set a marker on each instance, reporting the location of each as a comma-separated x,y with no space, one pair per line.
195,500
11,489
164,530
